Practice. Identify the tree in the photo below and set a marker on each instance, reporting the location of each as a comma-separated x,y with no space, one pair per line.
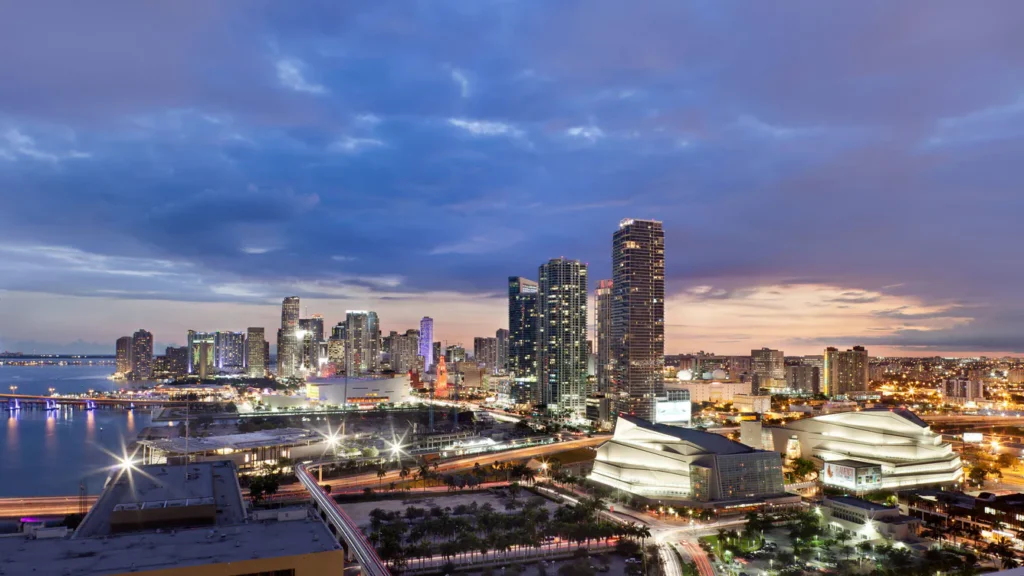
803,467
1006,460
371,452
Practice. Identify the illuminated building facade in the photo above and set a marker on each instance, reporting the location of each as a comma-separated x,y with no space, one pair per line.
362,342
638,316
562,336
123,361
662,462
501,341
441,382
845,372
255,361
603,334
200,362
485,352
426,342
522,328
404,351
289,355
230,350
769,367
897,443
142,355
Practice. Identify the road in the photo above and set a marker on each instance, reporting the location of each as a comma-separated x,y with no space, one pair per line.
42,506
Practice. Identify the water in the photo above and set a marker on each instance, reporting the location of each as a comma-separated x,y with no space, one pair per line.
49,454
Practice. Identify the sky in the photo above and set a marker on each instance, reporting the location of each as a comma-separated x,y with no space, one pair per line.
828,173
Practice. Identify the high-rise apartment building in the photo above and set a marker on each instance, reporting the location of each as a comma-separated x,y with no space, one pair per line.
522,328
638,316
803,378
603,334
362,342
176,361
437,352
562,336
289,354
142,355
769,368
123,362
256,362
404,351
485,352
311,335
845,372
501,340
426,342
230,350
963,389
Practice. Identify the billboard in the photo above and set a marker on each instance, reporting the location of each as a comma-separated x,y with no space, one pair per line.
973,437
839,475
672,411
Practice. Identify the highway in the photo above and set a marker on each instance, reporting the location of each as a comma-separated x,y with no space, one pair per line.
42,506
359,547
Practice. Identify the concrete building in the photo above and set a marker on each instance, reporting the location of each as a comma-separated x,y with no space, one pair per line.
603,335
874,449
638,316
662,462
963,390
769,369
255,361
864,520
177,521
485,352
426,343
752,404
362,392
142,355
845,372
562,335
803,379
123,359
405,351
289,354
501,342
522,328
711,390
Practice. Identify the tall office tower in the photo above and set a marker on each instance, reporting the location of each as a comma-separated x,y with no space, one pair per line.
845,372
603,334
562,336
522,328
405,351
310,336
195,341
426,342
256,362
289,354
142,355
501,338
638,316
769,368
229,350
362,342
803,378
455,353
485,352
123,363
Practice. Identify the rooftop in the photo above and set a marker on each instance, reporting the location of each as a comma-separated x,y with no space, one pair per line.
162,487
853,463
708,441
233,442
144,551
860,503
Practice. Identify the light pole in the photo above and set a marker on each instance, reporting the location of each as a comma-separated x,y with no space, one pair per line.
14,390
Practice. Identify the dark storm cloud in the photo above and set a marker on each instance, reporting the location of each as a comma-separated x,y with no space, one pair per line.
413,146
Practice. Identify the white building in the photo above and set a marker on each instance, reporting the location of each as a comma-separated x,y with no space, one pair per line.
713,391
897,443
667,462
747,403
866,520
365,392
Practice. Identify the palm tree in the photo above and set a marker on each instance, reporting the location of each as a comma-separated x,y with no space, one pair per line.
381,473
404,472
424,473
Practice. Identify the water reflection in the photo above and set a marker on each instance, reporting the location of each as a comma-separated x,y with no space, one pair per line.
90,425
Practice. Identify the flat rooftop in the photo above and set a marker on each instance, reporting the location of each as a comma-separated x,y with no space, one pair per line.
149,487
145,551
233,442
852,463
860,503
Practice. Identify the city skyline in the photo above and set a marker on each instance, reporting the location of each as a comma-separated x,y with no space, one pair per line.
805,203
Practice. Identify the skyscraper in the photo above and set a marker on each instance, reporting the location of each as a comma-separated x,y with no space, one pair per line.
404,351
845,372
501,338
522,328
603,334
311,331
288,347
562,335
485,352
256,363
769,367
142,355
362,342
196,341
230,350
123,362
426,342
638,316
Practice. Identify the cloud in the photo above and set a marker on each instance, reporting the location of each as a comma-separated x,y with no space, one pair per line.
589,133
351,144
485,127
19,145
460,78
290,74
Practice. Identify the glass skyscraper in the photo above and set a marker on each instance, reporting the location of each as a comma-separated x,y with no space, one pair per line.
562,336
522,327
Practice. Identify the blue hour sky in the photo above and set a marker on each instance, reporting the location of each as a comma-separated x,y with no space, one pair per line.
828,173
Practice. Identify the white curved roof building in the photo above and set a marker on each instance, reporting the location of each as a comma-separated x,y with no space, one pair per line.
667,462
873,449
